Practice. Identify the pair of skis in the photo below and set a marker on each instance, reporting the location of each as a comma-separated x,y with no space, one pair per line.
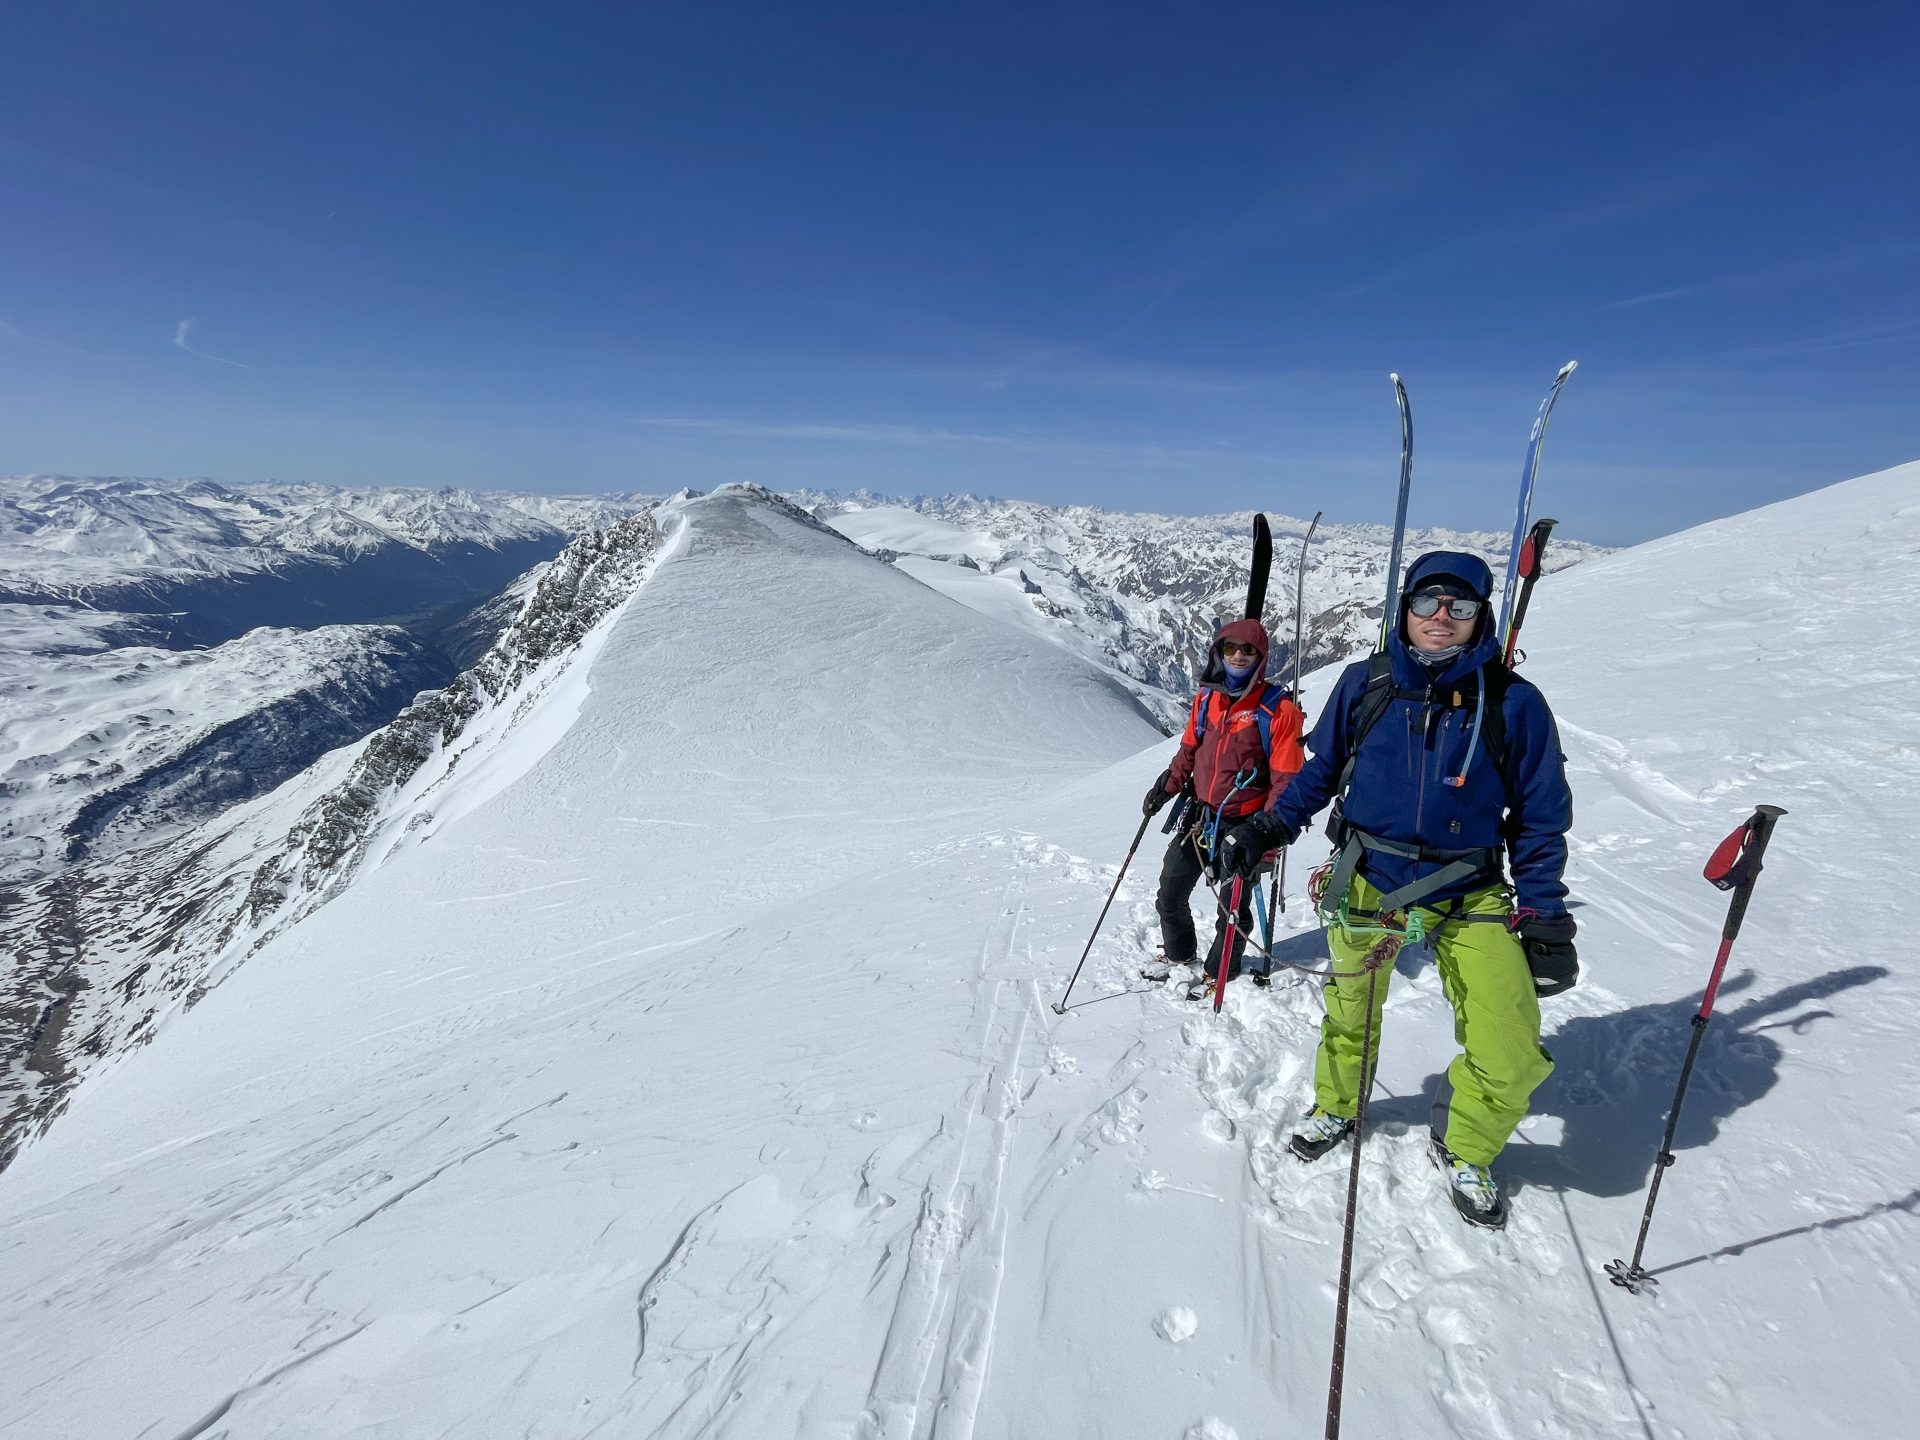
1527,548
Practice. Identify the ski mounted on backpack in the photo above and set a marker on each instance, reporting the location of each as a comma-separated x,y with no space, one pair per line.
1257,570
1734,865
1300,600
1279,901
1387,616
1529,472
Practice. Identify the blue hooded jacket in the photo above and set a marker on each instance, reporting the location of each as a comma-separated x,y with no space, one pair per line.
1399,789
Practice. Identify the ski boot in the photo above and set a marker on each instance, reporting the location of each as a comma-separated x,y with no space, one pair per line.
1319,1134
1472,1188
1160,969
1201,988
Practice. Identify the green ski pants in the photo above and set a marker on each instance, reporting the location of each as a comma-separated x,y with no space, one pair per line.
1496,1022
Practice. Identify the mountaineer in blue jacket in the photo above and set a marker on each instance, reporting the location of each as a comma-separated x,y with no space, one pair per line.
1448,771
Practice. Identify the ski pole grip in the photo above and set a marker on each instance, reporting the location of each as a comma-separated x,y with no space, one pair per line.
1759,832
1175,815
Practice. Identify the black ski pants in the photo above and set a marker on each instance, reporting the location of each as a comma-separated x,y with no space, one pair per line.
1179,874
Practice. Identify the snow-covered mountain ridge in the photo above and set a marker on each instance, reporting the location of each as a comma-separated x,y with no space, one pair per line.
1142,593
700,1081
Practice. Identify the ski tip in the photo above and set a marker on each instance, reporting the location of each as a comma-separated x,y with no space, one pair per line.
1394,376
1566,370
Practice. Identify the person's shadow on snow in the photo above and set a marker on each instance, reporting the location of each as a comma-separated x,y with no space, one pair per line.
1614,1077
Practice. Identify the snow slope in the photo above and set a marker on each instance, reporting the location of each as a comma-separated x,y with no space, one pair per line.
701,1081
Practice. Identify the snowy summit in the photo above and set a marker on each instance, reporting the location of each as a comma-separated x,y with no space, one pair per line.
673,1053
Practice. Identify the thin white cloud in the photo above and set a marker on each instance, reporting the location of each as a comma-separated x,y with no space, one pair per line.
1654,297
1062,448
1811,267
183,336
1901,333
13,332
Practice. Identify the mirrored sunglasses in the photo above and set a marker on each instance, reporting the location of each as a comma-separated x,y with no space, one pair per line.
1426,605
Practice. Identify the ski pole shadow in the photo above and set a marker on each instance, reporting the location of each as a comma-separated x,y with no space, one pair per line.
1614,1077
1907,1204
1079,1005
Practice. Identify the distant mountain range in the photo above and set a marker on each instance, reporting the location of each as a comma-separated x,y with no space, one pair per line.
1140,593
200,563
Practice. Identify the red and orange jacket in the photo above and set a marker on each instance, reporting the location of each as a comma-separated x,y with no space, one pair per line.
1222,743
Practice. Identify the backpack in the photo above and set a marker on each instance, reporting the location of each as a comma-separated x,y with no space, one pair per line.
1270,700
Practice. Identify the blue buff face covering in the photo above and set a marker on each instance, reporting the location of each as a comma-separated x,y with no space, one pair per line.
1239,674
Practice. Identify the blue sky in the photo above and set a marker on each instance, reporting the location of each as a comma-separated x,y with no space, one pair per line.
1146,256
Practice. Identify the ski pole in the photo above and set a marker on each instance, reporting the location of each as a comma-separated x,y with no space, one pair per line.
1337,1381
1734,865
1060,1005
1226,941
1533,555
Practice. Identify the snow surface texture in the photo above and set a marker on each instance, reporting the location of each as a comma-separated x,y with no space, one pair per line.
701,1081
1140,594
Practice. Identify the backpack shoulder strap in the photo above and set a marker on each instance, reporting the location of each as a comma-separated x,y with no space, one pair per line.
1367,710
1373,700
1270,701
1200,715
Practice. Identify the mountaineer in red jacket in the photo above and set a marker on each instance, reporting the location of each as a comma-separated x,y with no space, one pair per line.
1241,747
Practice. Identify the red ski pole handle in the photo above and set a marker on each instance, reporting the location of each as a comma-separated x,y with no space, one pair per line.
1735,865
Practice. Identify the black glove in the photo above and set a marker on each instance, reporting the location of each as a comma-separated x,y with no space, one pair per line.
1247,844
1159,794
1548,941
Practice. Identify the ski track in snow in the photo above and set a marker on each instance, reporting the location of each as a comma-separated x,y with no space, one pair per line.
820,1161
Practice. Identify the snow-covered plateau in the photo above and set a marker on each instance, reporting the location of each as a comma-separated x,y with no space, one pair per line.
672,1054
